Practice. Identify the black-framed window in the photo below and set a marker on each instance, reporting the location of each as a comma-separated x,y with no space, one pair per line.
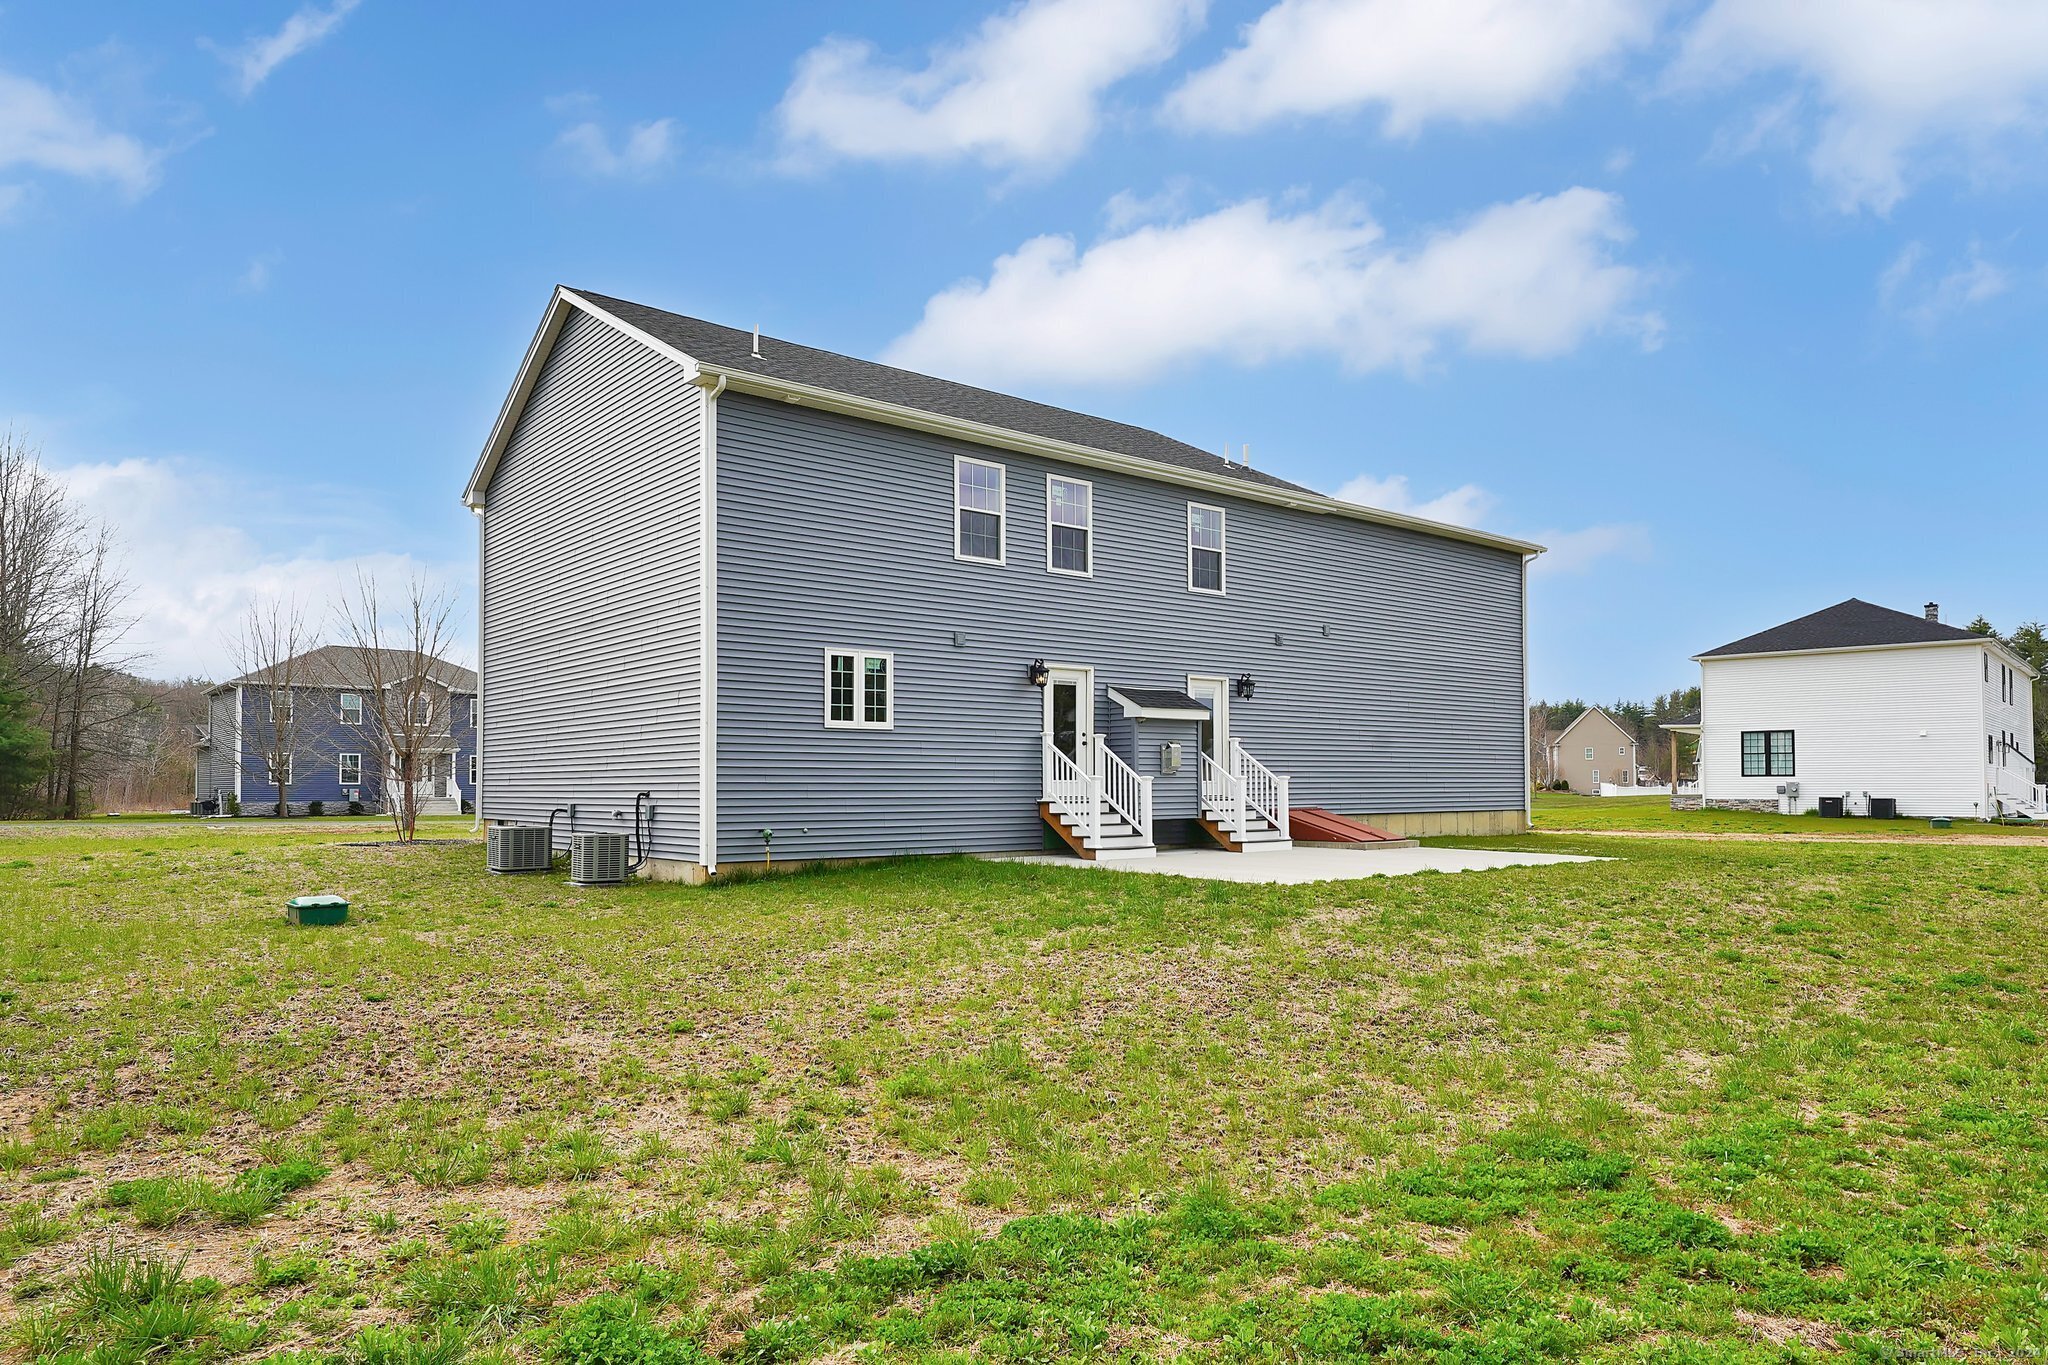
1768,753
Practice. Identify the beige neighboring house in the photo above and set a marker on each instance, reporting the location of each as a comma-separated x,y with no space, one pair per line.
1593,749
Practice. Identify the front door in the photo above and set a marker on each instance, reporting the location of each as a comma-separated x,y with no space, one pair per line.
1213,693
1070,711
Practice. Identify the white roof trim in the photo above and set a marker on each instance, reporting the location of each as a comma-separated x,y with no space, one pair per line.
1592,710
1142,712
1997,647
892,414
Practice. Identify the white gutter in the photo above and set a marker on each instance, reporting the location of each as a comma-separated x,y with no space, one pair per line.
1974,641
805,395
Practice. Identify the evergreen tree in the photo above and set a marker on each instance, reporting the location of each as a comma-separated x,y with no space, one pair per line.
24,747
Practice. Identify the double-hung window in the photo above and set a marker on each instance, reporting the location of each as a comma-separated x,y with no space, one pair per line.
1205,548
1589,753
1768,753
351,770
351,708
978,510
472,772
270,771
280,708
423,711
1069,526
860,690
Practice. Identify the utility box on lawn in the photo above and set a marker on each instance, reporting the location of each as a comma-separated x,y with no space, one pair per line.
316,910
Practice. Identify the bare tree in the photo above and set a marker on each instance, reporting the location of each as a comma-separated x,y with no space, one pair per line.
39,532
95,692
395,645
268,649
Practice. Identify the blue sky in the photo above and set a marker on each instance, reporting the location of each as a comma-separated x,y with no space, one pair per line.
1736,304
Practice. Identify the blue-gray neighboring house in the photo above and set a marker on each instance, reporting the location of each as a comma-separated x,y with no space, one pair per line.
804,603
317,714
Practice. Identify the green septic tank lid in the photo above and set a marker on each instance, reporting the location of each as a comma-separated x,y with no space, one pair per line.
325,909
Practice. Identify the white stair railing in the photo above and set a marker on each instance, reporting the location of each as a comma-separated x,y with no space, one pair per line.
1223,793
1071,790
1128,793
1265,791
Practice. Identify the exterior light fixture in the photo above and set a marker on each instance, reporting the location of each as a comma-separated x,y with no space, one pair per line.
1037,672
1245,686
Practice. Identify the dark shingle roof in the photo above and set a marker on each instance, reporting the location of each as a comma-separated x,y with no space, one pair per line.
1846,625
345,666
732,348
1160,698
1691,717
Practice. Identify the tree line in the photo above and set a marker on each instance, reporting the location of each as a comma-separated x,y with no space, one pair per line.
76,719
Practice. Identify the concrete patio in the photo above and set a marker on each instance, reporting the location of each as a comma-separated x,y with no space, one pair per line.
1298,865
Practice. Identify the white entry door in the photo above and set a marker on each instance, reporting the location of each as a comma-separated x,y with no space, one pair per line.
1213,693
1070,710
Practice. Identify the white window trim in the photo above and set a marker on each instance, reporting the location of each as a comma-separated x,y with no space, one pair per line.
291,706
1589,753
472,771
1002,513
341,770
860,721
341,710
270,770
1222,550
1089,527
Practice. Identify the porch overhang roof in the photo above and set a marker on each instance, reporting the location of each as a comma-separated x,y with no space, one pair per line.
1158,703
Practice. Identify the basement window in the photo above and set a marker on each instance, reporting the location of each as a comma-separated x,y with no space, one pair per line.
1768,753
860,690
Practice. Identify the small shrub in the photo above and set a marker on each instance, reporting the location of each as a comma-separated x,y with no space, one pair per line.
316,808
234,804
355,808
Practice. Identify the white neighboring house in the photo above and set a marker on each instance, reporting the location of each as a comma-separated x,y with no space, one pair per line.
1863,703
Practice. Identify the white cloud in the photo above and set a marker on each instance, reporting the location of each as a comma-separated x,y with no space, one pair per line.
43,130
255,277
1468,504
1418,60
1246,286
1024,91
1896,81
645,149
1465,505
253,61
1568,552
200,546
1924,301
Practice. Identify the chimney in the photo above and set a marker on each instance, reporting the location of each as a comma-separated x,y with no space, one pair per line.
1934,611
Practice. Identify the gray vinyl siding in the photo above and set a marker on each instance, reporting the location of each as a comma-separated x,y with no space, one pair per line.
1388,663
215,764
591,661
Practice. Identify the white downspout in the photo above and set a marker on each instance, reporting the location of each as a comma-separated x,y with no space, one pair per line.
476,706
1528,777
707,633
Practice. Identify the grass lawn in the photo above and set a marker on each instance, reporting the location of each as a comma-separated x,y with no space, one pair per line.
1708,1101
1564,811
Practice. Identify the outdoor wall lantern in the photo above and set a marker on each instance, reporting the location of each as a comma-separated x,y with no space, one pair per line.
1245,686
1037,672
